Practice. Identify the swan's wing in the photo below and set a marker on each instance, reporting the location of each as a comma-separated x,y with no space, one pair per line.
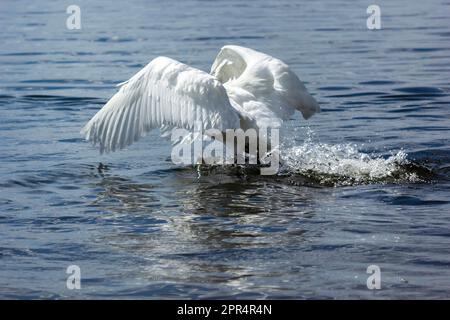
263,86
165,93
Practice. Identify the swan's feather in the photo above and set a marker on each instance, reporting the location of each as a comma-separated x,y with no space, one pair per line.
246,89
165,93
265,88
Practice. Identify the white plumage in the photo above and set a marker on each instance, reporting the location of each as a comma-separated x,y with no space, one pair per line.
246,89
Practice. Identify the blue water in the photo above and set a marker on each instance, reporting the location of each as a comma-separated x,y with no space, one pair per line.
365,182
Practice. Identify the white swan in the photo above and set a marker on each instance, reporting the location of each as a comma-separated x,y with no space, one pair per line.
246,89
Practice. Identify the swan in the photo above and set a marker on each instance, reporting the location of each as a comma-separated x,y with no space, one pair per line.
245,89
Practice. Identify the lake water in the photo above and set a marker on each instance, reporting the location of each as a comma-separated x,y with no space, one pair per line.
365,182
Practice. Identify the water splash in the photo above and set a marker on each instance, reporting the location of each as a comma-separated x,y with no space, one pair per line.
344,164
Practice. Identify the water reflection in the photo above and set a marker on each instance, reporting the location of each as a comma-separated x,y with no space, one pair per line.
228,222
249,203
122,195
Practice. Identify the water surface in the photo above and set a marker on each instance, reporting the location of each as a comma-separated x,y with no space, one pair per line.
364,182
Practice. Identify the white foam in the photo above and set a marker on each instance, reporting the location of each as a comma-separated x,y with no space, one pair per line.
344,164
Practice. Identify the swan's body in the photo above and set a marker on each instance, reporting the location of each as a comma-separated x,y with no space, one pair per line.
246,89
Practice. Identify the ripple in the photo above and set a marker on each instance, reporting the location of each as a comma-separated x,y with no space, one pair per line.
335,88
209,38
420,90
356,94
114,39
405,200
378,82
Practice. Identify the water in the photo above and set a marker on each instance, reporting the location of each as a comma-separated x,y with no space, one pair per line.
364,182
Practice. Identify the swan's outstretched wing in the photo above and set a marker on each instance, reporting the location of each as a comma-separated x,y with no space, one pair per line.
164,93
264,87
